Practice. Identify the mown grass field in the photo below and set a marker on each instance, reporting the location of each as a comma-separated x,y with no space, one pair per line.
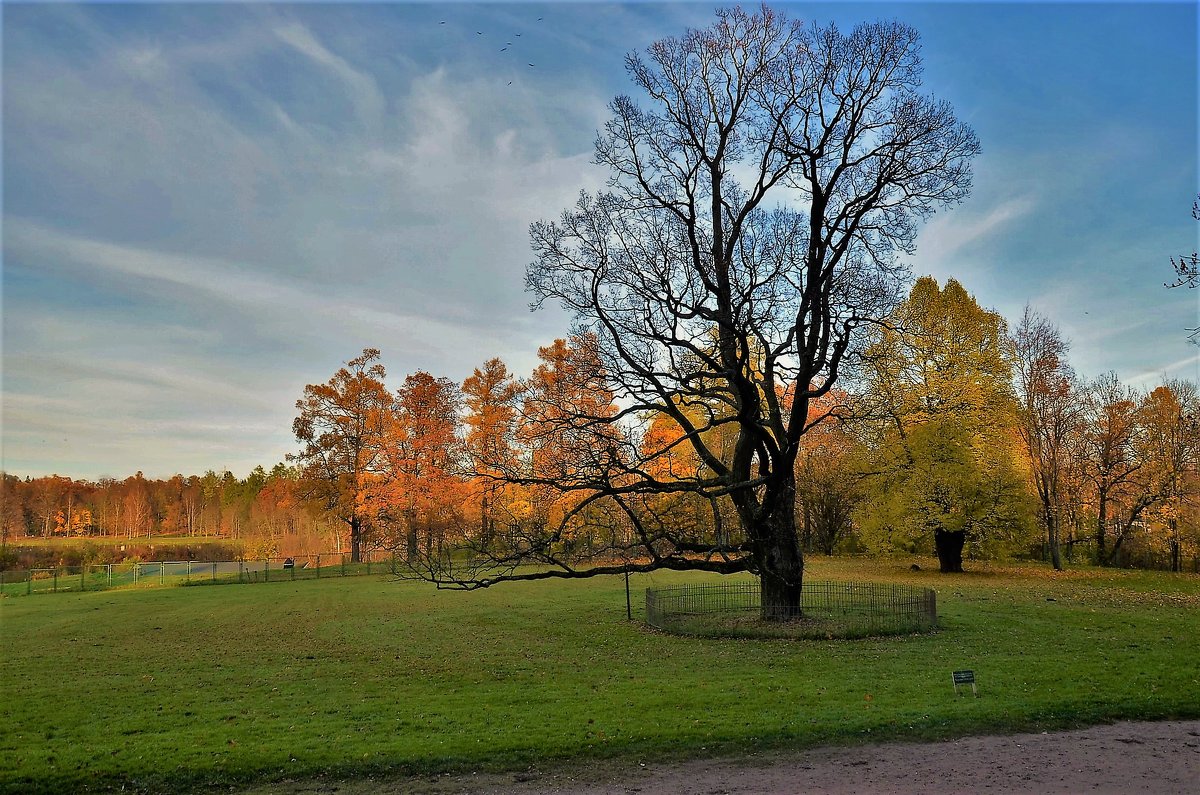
181,688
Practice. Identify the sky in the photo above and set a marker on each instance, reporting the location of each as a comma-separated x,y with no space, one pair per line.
208,206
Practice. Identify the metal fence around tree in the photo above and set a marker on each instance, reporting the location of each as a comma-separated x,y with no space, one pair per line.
827,609
60,579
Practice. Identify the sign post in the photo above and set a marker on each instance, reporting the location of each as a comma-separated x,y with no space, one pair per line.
628,603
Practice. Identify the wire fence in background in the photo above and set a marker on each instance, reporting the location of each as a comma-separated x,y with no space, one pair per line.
826,610
62,579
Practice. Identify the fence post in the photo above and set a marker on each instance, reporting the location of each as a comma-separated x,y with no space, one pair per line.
108,575
628,602
55,587
240,571
162,572
266,570
318,567
189,570
28,582
214,571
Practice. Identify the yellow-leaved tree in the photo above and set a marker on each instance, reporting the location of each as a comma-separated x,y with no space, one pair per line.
939,396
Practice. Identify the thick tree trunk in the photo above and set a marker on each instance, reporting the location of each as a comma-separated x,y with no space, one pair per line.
1055,547
1176,547
949,547
355,540
412,542
485,528
780,561
1050,520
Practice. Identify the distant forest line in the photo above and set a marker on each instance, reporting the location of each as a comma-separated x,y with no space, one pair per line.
932,431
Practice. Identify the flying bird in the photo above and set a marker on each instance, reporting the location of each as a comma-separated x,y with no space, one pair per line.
502,49
531,64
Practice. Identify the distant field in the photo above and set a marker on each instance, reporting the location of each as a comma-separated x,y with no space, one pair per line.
185,687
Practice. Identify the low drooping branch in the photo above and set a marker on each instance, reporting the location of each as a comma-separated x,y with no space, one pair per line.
447,578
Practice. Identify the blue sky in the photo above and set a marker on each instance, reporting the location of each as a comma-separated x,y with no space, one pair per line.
207,207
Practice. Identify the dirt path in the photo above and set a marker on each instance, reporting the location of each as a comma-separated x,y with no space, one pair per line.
1121,759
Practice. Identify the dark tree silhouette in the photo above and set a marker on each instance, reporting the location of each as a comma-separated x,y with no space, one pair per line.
753,211
1187,273
1187,266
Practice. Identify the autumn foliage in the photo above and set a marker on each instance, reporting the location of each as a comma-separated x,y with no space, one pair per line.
956,426
261,515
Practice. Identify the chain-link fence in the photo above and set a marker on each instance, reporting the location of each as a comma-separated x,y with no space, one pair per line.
827,609
189,572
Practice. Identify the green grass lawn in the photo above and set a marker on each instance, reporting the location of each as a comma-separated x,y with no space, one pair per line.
184,687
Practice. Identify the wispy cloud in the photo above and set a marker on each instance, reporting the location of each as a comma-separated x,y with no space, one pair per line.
366,94
956,232
1187,367
244,287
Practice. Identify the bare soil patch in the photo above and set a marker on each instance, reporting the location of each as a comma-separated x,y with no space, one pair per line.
1119,759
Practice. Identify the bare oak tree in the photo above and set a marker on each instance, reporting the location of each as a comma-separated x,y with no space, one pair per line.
753,213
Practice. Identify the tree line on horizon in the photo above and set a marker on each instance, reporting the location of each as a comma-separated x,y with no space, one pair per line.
263,514
955,435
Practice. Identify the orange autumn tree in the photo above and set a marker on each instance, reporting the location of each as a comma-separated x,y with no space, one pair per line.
137,509
419,488
568,442
562,439
1118,478
339,426
827,473
1169,444
276,513
1049,415
490,395
684,515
